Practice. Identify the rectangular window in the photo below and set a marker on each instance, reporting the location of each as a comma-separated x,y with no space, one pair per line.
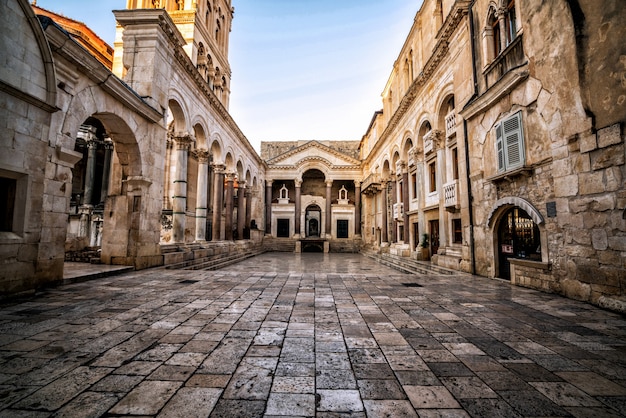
8,189
414,185
510,143
457,231
282,228
432,169
342,228
455,164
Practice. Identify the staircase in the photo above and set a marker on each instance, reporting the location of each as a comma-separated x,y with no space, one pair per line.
409,265
285,245
215,262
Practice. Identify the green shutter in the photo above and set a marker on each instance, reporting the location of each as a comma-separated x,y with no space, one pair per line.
499,148
513,141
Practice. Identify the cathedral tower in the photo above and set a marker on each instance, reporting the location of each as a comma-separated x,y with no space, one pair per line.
205,25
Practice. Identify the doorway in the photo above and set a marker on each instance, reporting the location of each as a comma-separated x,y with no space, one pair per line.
434,236
518,237
313,220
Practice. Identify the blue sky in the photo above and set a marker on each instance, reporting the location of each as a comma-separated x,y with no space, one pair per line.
301,69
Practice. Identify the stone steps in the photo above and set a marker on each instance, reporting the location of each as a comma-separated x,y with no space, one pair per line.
409,265
214,262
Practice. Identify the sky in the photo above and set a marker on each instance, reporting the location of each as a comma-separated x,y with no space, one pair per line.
301,69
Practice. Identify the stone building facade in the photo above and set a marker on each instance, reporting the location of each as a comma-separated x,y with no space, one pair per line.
313,195
499,149
138,153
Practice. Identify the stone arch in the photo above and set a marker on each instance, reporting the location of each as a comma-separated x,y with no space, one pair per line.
229,162
316,164
444,100
407,144
116,121
199,134
216,149
507,202
176,119
240,170
37,26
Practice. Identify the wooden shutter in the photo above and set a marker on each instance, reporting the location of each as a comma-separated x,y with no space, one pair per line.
500,148
513,141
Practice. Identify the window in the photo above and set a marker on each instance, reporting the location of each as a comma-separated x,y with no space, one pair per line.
495,28
432,170
510,22
455,164
414,185
7,209
510,143
457,231
342,228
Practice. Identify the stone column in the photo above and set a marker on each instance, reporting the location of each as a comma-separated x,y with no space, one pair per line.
218,201
405,203
383,230
357,209
228,215
106,173
167,181
329,222
248,195
202,191
297,214
179,204
90,171
268,207
241,209
394,200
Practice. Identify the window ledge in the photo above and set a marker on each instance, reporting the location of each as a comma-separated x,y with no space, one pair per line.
540,265
10,238
511,174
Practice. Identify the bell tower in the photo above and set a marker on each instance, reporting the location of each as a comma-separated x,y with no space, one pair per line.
205,25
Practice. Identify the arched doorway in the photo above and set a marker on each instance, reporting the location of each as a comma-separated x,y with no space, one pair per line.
518,237
313,219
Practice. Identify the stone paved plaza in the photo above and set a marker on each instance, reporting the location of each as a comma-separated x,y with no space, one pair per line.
308,335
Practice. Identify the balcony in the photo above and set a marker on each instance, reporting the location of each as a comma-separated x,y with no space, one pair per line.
451,195
431,141
398,210
512,57
371,183
451,124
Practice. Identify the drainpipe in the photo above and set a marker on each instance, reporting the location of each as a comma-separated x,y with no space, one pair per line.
470,198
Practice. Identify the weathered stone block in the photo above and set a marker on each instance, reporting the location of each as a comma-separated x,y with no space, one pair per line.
609,136
607,157
599,239
566,186
591,183
588,142
617,243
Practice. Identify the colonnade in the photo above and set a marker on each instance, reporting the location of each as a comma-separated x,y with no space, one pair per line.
220,193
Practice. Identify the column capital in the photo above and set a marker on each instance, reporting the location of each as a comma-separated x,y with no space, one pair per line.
357,183
329,183
108,143
182,140
230,177
218,168
202,155
268,182
297,182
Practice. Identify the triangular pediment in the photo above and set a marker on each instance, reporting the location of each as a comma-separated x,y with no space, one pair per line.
313,150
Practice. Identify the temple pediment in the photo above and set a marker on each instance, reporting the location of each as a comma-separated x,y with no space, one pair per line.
313,150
